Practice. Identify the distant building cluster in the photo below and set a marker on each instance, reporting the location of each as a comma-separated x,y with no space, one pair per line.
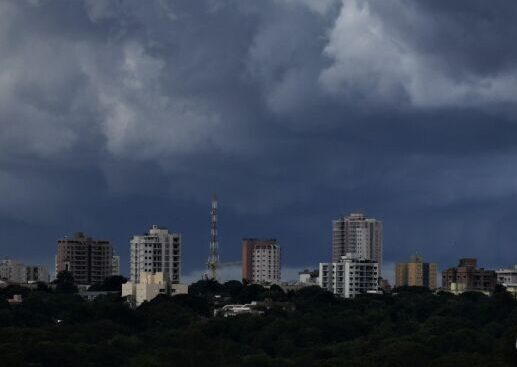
16,272
155,264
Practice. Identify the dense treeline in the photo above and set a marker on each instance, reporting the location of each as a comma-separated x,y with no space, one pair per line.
413,328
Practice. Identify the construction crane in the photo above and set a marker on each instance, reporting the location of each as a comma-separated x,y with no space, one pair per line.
213,257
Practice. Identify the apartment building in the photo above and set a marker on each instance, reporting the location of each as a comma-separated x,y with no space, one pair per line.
350,276
261,260
157,251
508,279
16,272
37,273
88,260
468,277
13,271
357,235
416,273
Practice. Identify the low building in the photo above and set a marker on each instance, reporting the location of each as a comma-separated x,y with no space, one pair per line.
350,276
13,271
17,299
92,295
254,308
309,277
151,285
416,273
508,279
19,273
234,310
468,277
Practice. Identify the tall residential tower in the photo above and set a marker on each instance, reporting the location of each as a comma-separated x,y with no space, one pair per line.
260,260
357,236
88,260
157,251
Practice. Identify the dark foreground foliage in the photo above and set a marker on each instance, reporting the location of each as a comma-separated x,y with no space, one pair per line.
414,328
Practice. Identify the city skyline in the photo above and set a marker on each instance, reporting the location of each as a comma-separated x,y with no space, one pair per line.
115,116
233,270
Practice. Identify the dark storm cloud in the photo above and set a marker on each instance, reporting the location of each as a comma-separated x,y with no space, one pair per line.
119,114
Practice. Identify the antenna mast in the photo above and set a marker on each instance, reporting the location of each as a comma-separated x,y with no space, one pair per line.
213,257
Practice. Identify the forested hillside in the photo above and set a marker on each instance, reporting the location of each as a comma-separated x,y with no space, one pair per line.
412,328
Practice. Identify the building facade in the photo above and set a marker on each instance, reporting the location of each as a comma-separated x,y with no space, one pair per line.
261,260
115,265
416,273
309,277
157,251
16,272
13,271
359,236
149,286
508,279
468,277
350,276
37,273
88,260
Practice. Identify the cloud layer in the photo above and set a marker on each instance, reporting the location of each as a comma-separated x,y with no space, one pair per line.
115,115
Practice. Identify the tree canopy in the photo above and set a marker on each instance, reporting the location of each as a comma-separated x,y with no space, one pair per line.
412,328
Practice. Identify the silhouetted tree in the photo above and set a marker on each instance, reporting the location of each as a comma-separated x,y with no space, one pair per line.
65,283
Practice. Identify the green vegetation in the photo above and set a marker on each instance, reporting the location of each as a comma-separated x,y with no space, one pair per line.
413,328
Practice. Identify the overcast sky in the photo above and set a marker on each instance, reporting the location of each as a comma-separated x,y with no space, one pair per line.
116,115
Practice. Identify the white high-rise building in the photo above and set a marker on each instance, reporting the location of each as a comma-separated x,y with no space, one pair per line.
350,276
261,260
359,236
156,252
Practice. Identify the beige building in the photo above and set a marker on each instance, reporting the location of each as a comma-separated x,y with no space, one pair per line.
416,273
359,236
151,285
